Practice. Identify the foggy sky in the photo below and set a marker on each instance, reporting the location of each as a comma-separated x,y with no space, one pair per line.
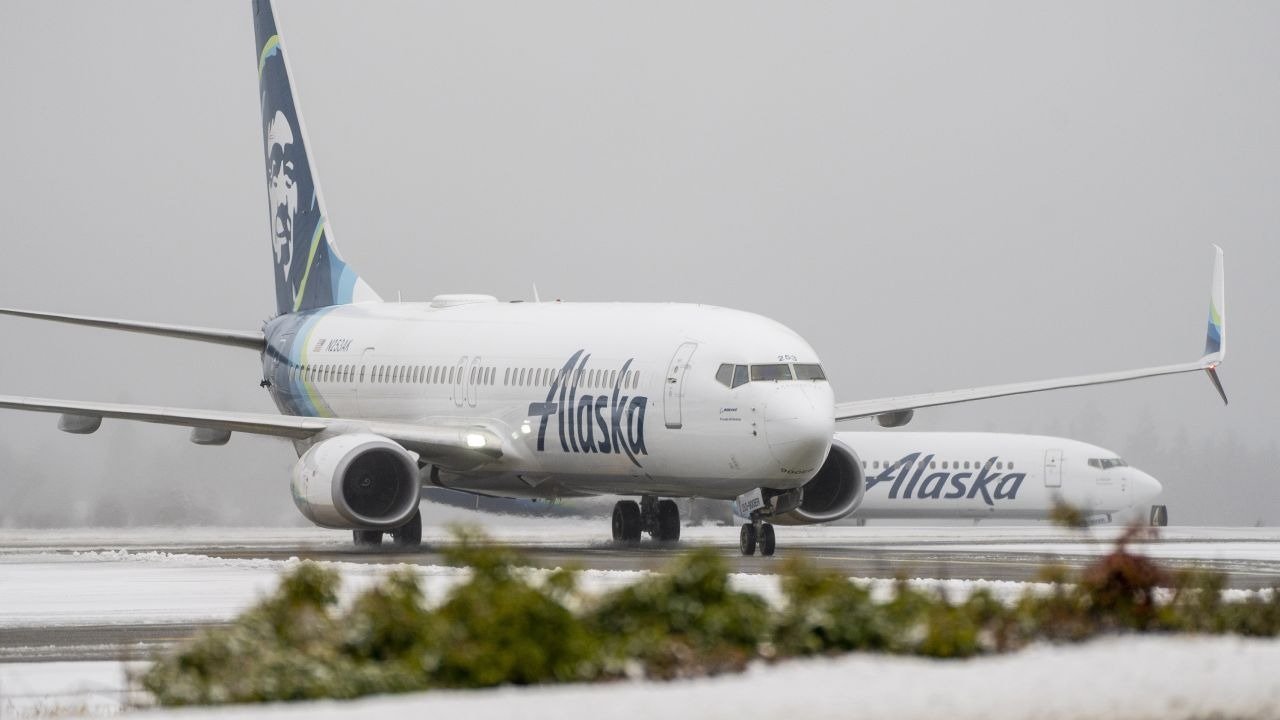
934,195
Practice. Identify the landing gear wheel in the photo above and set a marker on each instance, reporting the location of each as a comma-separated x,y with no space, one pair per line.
626,521
367,538
668,521
1159,515
409,535
767,540
747,539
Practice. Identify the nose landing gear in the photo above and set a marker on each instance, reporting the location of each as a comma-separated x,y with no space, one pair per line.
757,534
1159,516
659,518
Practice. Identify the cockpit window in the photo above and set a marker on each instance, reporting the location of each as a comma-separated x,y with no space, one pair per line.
732,376
1107,463
778,371
809,372
724,375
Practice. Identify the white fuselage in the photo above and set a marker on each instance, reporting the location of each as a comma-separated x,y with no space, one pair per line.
589,398
991,475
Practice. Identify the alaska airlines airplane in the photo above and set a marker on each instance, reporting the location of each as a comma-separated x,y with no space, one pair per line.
934,475
536,400
941,475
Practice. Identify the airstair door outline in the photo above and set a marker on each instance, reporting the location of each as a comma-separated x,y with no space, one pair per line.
1053,468
673,392
363,404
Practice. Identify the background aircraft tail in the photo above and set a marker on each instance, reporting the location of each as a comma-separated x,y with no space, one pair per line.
309,272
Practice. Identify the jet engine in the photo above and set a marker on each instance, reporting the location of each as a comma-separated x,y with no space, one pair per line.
833,493
357,481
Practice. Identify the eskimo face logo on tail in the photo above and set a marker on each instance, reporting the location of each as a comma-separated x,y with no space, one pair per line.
607,423
297,225
991,486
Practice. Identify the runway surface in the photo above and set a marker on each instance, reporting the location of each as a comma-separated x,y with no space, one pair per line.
123,595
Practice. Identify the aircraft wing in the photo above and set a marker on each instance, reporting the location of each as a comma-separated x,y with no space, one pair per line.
903,403
451,446
251,339
894,411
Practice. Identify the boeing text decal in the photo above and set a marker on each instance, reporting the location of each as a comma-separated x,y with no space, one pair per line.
990,485
606,423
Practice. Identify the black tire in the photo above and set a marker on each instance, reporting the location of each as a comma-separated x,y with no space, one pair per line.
367,538
626,521
409,535
747,539
668,521
768,541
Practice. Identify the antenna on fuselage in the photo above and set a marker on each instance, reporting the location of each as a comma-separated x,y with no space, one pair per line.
535,293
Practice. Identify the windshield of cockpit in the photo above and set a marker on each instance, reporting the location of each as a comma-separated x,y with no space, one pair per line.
732,376
1107,463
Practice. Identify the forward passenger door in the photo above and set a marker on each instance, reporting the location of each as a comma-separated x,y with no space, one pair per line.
673,394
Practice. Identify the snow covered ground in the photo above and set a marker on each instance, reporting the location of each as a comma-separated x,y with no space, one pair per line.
47,689
1129,678
65,578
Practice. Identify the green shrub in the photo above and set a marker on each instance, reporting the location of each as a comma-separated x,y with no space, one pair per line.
684,622
497,628
281,649
826,613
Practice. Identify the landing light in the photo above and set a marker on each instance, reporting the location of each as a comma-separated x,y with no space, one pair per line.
526,428
475,440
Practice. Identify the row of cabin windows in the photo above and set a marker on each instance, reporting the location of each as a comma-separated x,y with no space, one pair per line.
419,374
447,375
946,465
597,379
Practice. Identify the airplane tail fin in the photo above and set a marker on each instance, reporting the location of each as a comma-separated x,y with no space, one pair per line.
309,272
1215,343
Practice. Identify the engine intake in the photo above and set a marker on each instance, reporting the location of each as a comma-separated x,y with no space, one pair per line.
357,481
833,493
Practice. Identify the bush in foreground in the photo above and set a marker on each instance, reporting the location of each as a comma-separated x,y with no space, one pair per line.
501,627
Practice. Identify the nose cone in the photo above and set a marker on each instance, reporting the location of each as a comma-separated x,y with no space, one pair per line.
1145,488
799,420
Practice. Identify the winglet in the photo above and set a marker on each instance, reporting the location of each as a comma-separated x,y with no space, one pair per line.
1215,343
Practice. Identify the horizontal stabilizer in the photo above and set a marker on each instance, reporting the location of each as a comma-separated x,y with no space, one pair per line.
252,339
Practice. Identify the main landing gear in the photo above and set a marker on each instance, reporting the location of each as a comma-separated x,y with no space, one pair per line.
407,536
757,534
659,518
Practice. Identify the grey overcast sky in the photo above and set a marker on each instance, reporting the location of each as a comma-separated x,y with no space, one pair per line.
936,195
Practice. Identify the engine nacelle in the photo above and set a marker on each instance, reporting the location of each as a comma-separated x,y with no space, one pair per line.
357,481
833,493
